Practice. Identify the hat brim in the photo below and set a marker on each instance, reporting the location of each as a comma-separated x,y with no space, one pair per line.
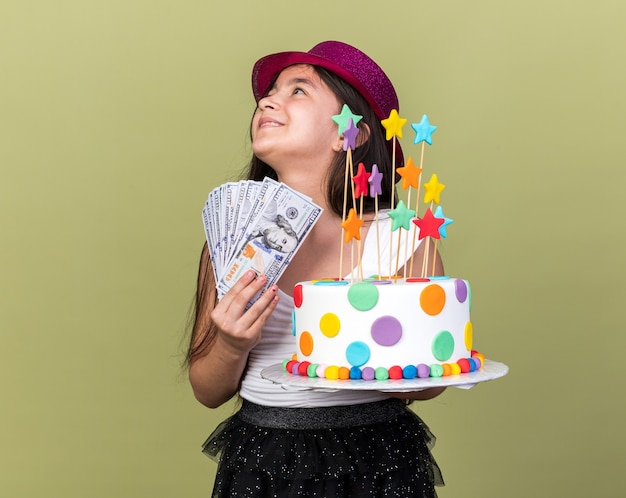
267,68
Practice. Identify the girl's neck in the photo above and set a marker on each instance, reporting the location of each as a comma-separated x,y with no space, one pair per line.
309,186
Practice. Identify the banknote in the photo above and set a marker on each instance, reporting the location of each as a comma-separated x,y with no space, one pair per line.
256,226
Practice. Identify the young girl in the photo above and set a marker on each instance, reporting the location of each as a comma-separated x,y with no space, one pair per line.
290,443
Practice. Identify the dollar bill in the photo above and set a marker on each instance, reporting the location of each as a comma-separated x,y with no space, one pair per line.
272,222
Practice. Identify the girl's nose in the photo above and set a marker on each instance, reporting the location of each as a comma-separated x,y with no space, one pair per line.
268,102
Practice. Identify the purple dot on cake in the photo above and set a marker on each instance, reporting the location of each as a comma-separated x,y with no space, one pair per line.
386,331
460,289
368,373
423,371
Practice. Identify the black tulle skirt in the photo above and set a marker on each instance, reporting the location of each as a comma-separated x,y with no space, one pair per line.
379,449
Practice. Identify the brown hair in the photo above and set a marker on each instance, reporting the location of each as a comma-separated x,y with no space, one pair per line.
374,150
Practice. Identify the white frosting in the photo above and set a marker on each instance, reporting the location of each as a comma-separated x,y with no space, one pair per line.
399,327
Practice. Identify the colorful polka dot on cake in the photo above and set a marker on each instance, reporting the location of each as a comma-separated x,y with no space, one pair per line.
330,324
386,331
363,296
332,372
433,299
395,372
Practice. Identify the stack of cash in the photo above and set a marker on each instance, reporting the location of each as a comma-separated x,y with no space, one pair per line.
255,226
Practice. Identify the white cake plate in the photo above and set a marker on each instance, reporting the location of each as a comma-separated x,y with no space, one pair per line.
490,371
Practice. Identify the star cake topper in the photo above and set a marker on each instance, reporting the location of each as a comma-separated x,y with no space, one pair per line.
343,118
393,125
361,182
433,189
423,131
352,226
429,225
410,174
401,216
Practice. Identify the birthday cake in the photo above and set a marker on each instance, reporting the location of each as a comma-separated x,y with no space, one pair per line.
387,328
381,329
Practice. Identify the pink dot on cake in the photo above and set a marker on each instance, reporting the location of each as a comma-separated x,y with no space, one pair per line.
320,371
386,330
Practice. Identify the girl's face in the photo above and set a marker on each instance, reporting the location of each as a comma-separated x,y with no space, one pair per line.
292,127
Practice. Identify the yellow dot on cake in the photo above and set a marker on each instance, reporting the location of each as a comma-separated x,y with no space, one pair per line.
330,324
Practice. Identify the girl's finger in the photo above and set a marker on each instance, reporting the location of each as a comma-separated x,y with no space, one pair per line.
260,307
245,280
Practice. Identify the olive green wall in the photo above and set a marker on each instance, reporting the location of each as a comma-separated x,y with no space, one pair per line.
118,117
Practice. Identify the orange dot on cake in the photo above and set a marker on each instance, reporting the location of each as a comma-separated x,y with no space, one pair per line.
306,343
433,299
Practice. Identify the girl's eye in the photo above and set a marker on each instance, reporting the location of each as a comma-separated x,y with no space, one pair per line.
298,90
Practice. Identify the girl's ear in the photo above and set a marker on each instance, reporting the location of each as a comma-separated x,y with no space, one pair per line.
364,134
362,137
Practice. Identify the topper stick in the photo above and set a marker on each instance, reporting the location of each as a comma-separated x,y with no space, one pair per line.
434,256
417,200
398,254
375,180
424,272
343,216
393,196
359,260
377,234
406,245
352,265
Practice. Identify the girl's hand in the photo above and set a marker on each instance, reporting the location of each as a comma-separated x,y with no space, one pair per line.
238,328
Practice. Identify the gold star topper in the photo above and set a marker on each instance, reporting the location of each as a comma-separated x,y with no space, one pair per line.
433,188
393,124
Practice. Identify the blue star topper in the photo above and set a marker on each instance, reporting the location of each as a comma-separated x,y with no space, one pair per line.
423,131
